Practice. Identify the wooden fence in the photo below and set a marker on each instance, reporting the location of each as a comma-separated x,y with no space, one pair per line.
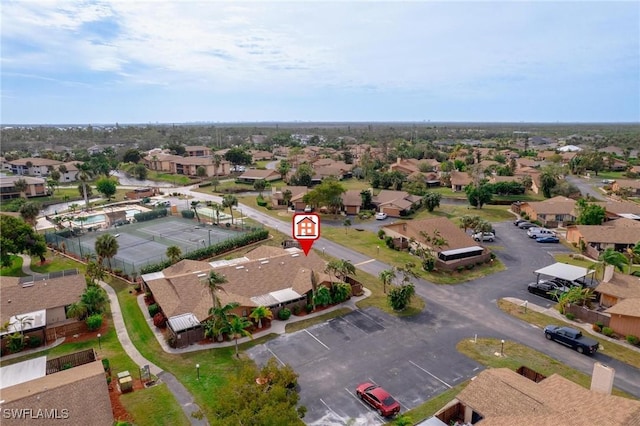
587,315
64,330
69,361
530,374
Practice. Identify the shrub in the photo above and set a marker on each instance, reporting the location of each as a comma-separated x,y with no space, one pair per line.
570,316
296,310
188,214
470,266
171,340
596,328
150,215
94,322
309,308
284,314
460,268
35,341
600,324
228,225
159,320
153,309
105,364
388,241
429,264
381,234
607,331
634,340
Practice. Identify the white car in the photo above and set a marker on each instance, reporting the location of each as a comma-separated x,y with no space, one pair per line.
540,232
381,216
484,236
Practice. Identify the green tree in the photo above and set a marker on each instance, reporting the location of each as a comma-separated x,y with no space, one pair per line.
106,246
633,253
174,253
260,313
217,161
469,222
431,200
95,271
322,296
303,175
21,186
287,195
575,296
366,197
387,276
106,186
131,155
229,201
140,171
201,172
284,167
478,195
328,193
614,258
16,237
260,185
84,175
238,156
548,179
590,214
214,283
346,223
95,299
220,319
400,297
238,328
29,212
215,182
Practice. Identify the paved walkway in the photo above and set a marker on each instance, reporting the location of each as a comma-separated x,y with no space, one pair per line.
552,312
185,399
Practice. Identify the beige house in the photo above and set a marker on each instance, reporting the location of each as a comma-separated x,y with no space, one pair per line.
197,151
631,185
618,234
502,397
552,213
625,317
36,187
459,180
395,203
34,166
621,294
253,175
297,193
412,165
352,201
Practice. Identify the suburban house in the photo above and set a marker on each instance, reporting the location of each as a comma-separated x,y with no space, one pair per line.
620,209
71,389
42,301
352,201
160,161
197,151
260,155
631,185
620,293
395,203
140,193
267,276
616,164
501,397
36,166
460,249
36,187
297,193
552,213
459,180
625,316
72,171
253,175
411,165
189,166
618,234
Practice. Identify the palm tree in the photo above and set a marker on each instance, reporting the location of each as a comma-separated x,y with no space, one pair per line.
387,276
634,255
283,168
286,197
332,268
194,207
216,160
84,175
229,201
214,283
237,329
346,224
468,221
614,258
29,211
260,186
95,299
174,253
344,268
106,247
220,319
21,186
216,208
77,310
260,313
95,271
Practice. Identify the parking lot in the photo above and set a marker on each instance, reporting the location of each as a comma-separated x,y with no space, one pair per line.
367,345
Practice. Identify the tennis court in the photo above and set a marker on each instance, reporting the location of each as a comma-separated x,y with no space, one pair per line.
144,243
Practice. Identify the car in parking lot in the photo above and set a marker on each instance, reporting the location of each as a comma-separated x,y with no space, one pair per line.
608,181
525,225
548,239
378,398
547,289
519,221
536,232
308,209
381,216
484,236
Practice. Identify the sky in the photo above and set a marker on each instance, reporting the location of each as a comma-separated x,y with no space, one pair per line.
92,62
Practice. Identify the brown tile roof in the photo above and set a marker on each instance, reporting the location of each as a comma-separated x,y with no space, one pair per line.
622,286
505,398
297,192
196,148
628,183
260,174
268,270
36,161
619,231
456,238
81,390
195,161
629,307
352,197
44,294
460,178
387,196
555,205
618,207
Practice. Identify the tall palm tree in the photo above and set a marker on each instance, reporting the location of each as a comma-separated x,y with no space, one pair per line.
228,201
614,258
84,176
95,271
216,160
387,276
237,329
220,319
29,211
214,283
106,246
174,253
194,207
260,313
216,209
634,255
345,267
21,186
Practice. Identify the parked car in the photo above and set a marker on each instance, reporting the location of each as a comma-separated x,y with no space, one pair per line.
547,289
381,216
580,282
608,181
549,239
525,225
571,337
484,236
308,209
536,232
519,221
378,398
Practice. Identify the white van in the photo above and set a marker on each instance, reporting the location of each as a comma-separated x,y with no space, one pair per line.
540,232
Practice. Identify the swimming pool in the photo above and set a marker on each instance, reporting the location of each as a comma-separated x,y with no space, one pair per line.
101,218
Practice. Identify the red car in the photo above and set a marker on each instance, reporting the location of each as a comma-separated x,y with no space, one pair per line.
379,399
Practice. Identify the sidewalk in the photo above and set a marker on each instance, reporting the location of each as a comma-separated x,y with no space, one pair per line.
277,326
557,315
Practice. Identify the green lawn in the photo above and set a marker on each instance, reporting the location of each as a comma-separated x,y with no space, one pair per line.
156,405
15,270
491,213
432,406
55,262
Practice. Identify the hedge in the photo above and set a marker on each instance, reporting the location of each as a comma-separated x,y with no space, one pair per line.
188,214
214,250
150,215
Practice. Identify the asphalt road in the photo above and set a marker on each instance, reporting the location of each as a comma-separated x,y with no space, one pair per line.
415,358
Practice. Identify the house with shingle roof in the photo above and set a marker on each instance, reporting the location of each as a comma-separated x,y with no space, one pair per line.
409,166
552,213
33,166
616,209
36,187
253,175
266,276
631,185
618,234
503,397
460,249
620,293
395,203
625,316
257,155
459,180
297,193
352,201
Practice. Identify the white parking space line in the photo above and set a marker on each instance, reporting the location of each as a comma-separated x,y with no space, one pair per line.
363,403
275,356
317,340
329,408
353,325
437,378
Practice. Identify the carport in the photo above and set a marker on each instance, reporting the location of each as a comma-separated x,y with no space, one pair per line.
566,272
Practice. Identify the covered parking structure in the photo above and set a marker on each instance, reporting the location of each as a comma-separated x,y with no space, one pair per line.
569,273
